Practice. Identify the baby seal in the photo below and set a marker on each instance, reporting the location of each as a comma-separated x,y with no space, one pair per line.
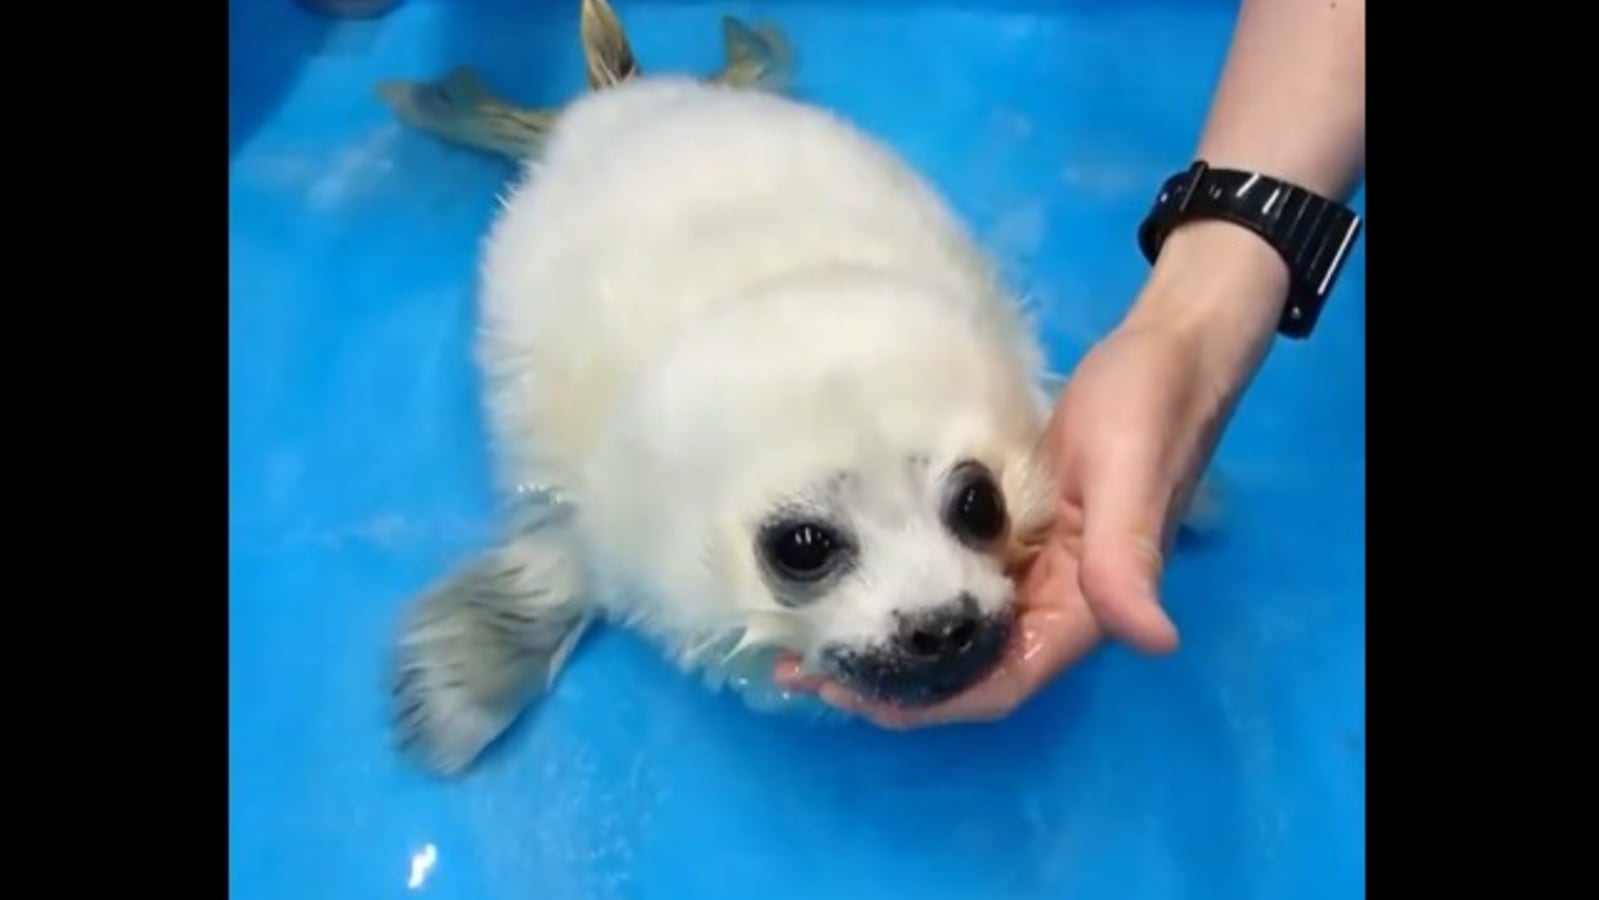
779,394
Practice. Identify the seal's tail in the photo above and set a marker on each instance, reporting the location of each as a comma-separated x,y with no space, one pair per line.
461,109
756,56
606,52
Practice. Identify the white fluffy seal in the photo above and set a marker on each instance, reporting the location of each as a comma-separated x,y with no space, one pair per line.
782,397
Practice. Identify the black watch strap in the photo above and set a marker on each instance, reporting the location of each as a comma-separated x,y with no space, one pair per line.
1311,233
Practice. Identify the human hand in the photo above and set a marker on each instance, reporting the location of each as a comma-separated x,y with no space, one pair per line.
1125,440
1053,629
1129,438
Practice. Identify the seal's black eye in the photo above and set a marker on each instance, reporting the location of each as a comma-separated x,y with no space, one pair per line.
802,551
976,511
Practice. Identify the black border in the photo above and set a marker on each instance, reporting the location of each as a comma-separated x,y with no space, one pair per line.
133,162
128,237
1461,273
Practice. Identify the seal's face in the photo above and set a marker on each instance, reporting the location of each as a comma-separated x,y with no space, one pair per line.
898,574
844,468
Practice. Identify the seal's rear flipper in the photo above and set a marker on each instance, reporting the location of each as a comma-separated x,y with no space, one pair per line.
606,52
478,649
461,109
756,56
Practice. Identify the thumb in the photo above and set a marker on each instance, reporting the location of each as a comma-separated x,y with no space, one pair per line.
1122,562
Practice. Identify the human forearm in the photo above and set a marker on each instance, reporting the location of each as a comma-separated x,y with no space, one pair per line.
1290,104
1292,98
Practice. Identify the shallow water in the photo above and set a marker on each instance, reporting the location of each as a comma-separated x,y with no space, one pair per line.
1235,769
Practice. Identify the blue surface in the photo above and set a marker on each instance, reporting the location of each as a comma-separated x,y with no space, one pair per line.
1235,769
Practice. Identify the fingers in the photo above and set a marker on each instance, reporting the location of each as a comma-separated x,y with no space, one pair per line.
789,675
1124,520
1043,650
1052,635
1060,628
888,717
1124,598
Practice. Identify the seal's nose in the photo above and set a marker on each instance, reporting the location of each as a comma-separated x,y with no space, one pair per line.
931,655
946,631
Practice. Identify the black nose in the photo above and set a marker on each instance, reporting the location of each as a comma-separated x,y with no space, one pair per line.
947,631
933,655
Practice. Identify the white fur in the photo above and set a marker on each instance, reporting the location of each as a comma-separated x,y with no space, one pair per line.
702,297
702,302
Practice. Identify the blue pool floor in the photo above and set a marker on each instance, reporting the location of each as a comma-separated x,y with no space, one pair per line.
1234,769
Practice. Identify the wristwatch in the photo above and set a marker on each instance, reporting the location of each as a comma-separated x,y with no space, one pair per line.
1311,233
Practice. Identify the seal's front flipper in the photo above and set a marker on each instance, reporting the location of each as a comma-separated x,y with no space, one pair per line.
758,57
461,109
606,51
479,648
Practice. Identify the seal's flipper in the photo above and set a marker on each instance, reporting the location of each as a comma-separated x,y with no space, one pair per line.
606,52
479,648
461,109
758,56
